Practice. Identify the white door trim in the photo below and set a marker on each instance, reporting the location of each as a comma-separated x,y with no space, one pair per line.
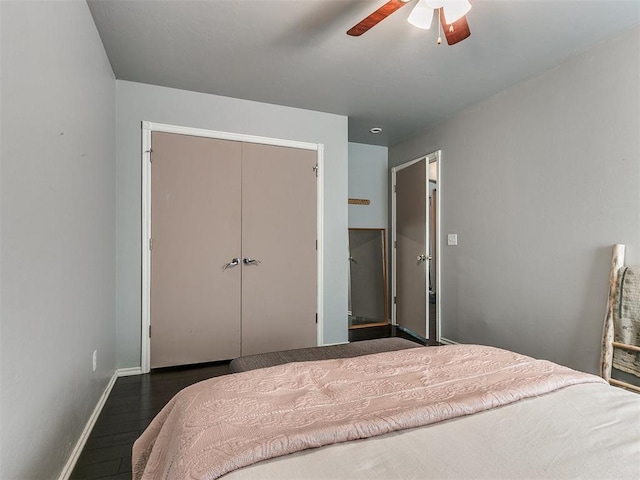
437,157
147,128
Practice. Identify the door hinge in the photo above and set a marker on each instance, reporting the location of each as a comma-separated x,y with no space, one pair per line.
315,169
316,244
316,318
149,331
395,244
395,188
395,299
150,243
150,151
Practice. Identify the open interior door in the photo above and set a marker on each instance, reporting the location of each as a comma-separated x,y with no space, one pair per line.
415,276
410,246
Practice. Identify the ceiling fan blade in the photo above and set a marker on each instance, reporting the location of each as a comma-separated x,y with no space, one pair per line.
456,31
376,17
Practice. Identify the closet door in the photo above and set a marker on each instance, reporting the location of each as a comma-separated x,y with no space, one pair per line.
196,231
278,231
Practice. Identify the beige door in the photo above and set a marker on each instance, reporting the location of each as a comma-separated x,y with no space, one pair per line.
278,248
411,255
196,231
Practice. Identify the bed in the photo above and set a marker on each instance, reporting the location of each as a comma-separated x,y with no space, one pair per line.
458,411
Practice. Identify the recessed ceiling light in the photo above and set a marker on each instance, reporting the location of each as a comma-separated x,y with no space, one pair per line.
375,130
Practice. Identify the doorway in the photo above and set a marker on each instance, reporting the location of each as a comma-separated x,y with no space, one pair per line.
415,247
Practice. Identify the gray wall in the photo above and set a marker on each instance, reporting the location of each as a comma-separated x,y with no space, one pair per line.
57,240
368,178
539,181
137,102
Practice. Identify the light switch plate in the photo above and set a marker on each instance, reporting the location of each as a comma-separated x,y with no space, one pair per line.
452,239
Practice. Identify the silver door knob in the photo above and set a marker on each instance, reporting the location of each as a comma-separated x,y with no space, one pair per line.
250,261
233,263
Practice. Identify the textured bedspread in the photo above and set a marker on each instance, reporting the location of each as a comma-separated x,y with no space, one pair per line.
225,423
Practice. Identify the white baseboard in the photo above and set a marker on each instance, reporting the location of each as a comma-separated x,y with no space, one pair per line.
329,344
84,436
127,372
446,341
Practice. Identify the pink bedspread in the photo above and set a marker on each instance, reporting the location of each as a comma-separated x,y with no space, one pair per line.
221,424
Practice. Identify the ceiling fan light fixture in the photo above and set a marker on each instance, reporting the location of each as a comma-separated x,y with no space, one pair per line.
455,10
421,16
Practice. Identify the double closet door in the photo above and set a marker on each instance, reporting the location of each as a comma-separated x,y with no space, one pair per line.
233,258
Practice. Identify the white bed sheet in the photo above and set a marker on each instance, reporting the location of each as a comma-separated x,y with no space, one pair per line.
589,431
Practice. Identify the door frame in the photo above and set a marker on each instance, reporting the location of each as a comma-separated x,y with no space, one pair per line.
430,158
147,129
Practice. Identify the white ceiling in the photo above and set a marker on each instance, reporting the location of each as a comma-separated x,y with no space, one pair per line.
296,53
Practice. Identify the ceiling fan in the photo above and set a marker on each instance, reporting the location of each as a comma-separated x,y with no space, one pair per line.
451,15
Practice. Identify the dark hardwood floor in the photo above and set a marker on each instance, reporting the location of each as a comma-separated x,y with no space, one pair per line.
369,333
131,406
135,400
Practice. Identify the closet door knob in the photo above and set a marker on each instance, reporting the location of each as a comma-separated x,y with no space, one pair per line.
233,263
250,261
